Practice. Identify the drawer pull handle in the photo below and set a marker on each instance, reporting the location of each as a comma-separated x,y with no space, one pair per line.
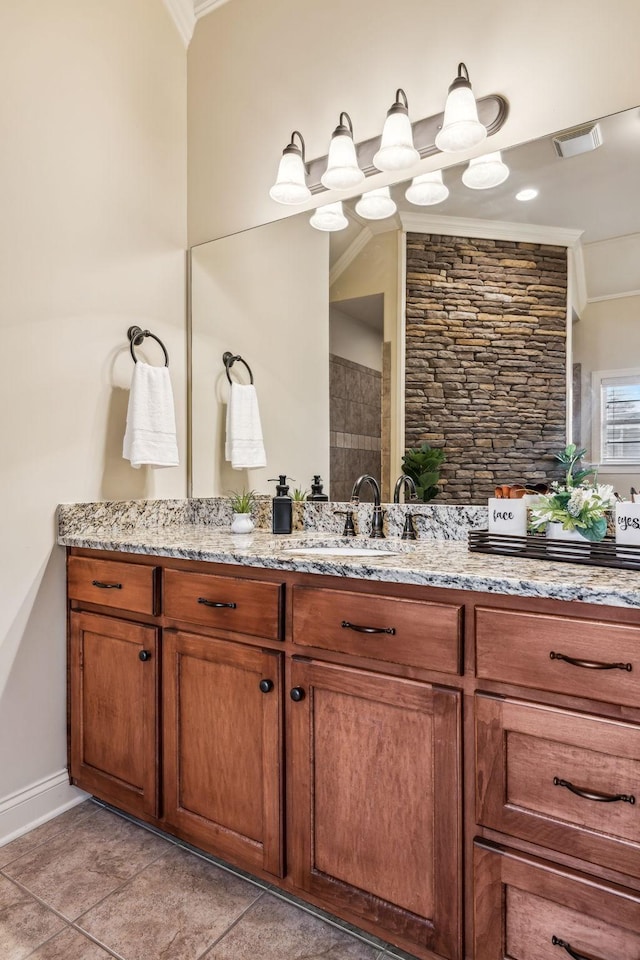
216,603
557,942
144,655
590,664
296,694
358,629
594,794
266,686
106,586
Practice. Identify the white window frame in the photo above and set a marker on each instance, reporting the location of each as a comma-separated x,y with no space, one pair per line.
598,378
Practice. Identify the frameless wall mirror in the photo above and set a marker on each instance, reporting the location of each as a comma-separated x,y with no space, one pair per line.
289,297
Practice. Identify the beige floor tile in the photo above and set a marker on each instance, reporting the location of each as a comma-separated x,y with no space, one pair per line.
66,821
172,910
275,930
70,945
24,923
72,872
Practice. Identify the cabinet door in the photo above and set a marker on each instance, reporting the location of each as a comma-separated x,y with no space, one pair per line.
113,688
375,774
223,747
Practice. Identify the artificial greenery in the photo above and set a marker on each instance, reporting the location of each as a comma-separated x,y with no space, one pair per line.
242,501
574,503
423,464
299,495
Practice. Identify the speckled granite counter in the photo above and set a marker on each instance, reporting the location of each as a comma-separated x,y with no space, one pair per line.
426,562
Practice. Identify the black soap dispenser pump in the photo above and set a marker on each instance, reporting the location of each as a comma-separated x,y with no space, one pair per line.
316,490
282,513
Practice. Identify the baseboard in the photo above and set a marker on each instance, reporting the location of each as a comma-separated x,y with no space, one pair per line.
35,804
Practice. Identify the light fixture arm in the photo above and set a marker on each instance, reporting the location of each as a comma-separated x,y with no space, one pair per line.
492,111
344,129
401,104
293,148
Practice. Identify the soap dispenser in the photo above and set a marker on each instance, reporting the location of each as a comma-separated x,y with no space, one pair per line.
316,490
282,512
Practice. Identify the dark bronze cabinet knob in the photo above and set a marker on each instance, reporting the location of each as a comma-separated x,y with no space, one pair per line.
297,694
145,655
266,686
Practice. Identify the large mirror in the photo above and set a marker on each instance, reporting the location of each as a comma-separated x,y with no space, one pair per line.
347,339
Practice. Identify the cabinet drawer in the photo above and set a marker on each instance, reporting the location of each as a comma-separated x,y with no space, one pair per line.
253,607
583,658
528,909
414,632
568,781
125,586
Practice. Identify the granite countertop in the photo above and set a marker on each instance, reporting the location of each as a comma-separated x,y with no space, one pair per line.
426,562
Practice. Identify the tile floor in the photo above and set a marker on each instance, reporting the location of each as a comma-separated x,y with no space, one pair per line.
93,885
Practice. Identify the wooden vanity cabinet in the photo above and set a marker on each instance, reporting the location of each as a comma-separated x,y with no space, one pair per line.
223,747
375,813
113,679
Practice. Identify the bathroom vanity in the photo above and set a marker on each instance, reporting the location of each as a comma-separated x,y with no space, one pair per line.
440,748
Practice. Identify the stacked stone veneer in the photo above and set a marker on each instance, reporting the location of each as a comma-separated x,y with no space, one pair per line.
485,359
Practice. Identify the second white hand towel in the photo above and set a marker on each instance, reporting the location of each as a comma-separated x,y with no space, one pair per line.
150,437
244,446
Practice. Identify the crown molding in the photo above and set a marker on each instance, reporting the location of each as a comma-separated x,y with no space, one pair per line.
352,251
202,7
614,296
182,14
489,229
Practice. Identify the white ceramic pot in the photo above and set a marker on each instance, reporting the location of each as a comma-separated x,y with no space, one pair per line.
242,523
555,531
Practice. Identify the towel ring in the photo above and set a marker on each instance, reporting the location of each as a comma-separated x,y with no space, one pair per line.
136,336
229,359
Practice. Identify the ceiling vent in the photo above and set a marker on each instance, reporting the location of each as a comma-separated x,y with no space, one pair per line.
579,140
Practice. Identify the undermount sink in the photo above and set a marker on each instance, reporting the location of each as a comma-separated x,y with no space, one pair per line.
341,551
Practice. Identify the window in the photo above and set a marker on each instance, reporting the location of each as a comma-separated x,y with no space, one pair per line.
617,420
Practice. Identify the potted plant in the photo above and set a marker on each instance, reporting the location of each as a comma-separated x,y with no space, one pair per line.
576,507
241,505
423,466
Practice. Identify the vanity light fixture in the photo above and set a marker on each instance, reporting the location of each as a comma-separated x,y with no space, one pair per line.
290,185
376,204
329,217
427,189
342,171
397,151
485,172
461,128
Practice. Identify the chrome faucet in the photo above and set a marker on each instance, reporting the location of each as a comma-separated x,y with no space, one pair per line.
378,513
408,484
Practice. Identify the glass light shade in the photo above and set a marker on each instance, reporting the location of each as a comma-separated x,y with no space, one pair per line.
461,128
485,172
342,171
427,189
290,186
376,204
329,217
397,151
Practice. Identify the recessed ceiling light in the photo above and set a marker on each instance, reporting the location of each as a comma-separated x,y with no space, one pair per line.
529,193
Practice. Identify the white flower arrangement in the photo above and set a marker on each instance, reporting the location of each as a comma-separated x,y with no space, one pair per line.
575,503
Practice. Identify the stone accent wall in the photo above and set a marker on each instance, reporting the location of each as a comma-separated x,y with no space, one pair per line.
355,413
485,359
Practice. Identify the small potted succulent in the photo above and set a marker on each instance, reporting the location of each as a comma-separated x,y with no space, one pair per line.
241,504
575,508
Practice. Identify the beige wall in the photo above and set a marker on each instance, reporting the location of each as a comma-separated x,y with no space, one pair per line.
607,337
254,77
275,316
93,183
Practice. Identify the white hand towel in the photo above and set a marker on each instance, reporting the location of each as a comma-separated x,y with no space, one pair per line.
150,437
244,446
